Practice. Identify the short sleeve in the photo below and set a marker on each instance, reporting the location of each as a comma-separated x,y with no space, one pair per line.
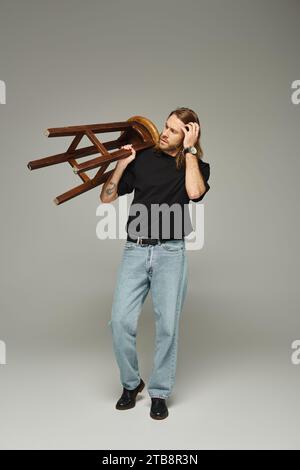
205,172
126,183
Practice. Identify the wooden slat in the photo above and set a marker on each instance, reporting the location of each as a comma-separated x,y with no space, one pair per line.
82,188
96,128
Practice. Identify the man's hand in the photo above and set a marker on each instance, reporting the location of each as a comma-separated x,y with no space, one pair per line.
124,161
191,134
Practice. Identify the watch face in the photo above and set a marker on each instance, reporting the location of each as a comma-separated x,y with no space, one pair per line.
192,150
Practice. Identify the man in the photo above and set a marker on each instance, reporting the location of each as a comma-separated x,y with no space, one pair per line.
170,175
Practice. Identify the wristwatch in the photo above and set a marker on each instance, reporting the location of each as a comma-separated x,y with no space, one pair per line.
192,150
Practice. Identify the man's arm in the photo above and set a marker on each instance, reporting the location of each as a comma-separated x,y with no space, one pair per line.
110,187
194,182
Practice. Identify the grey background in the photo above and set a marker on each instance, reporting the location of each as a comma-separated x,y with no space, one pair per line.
68,63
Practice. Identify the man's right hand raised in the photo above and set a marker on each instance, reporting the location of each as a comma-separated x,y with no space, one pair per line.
109,189
125,161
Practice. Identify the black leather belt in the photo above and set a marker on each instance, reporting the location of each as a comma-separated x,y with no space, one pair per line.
146,241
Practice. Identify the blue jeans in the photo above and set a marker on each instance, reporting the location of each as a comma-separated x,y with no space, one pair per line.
163,269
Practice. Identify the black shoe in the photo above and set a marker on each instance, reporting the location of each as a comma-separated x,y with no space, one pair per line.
159,408
128,397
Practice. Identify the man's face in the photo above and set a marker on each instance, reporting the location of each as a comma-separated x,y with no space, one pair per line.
172,135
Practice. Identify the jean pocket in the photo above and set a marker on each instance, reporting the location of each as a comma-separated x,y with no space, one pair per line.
173,245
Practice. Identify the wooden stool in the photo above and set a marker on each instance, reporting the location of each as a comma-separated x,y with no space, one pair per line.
137,130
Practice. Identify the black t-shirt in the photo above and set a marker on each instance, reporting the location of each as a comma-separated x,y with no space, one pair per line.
160,190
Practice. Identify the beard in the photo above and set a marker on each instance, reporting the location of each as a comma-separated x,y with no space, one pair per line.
169,148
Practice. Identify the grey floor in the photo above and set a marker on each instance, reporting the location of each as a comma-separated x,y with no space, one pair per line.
236,387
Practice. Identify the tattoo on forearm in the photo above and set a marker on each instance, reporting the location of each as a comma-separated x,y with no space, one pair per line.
111,189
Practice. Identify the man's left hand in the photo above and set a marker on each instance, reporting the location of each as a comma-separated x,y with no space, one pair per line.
190,134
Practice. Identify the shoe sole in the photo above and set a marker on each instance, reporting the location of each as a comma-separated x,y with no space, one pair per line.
128,407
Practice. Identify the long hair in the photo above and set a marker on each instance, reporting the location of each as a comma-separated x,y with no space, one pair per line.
186,115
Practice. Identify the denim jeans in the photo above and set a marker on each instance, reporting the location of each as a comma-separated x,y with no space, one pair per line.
163,269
